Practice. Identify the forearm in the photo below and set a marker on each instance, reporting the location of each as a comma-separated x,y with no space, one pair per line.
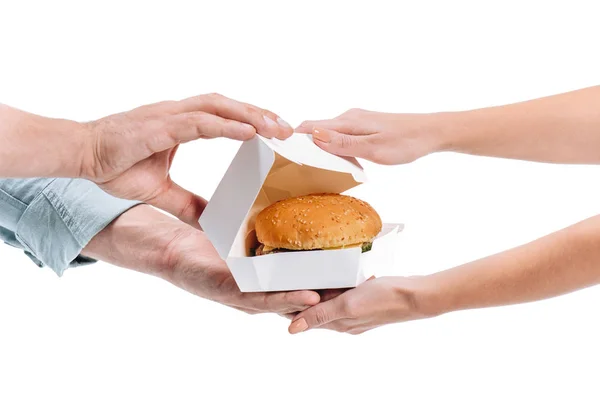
139,240
559,263
564,129
35,146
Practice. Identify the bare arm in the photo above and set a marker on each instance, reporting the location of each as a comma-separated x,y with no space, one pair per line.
556,264
561,129
31,145
129,154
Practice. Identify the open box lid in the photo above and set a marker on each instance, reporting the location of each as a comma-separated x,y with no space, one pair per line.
265,171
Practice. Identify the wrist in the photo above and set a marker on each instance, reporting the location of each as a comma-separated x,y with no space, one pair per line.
426,133
69,139
37,146
141,239
442,131
427,295
88,163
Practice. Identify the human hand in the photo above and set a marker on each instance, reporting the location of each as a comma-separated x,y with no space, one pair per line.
129,154
379,137
197,268
148,241
374,303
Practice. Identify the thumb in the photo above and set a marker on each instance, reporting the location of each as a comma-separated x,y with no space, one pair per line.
341,144
321,314
181,203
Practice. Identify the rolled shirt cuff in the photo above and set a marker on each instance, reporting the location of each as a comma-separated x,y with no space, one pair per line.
63,218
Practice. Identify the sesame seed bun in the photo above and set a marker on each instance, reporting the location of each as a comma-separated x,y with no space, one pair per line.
317,221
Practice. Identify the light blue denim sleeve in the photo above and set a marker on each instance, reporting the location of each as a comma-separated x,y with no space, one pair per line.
52,220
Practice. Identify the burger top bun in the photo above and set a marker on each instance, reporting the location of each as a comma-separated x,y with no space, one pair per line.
317,221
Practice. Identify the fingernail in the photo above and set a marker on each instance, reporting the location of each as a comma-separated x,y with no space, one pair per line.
321,135
270,123
298,326
281,122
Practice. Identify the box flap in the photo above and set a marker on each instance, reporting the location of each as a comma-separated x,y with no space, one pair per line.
300,149
225,212
265,171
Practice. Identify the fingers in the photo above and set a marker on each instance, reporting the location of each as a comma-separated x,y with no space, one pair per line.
281,302
329,294
320,314
343,137
335,124
190,126
265,122
162,134
289,316
342,144
181,203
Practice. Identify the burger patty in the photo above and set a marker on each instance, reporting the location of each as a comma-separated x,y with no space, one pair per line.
259,251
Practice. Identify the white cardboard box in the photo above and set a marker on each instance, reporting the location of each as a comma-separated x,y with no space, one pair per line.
268,170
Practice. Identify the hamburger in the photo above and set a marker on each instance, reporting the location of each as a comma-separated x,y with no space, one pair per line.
316,222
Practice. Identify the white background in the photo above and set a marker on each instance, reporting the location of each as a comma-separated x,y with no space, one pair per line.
104,332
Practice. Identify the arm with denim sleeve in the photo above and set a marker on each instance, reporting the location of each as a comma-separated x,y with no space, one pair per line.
52,220
62,223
